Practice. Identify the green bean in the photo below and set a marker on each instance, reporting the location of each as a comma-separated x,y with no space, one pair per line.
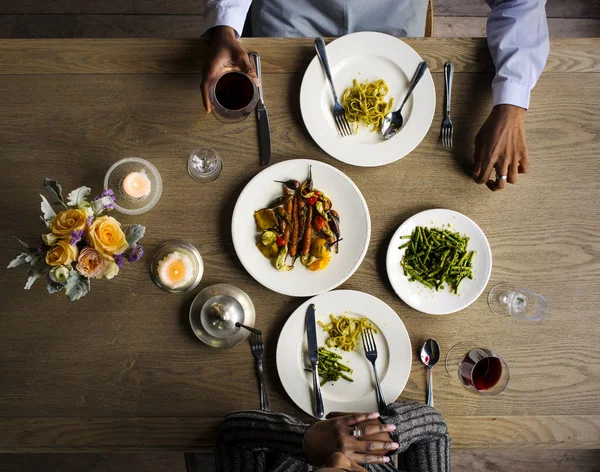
435,257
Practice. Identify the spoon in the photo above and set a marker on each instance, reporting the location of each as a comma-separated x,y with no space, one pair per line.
252,330
430,354
393,121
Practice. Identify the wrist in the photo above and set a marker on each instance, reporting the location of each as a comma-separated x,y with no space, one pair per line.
223,33
510,111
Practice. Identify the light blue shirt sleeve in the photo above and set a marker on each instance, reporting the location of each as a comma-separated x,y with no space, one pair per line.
225,13
517,32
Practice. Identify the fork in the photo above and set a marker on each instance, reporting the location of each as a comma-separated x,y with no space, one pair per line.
371,353
446,134
339,115
258,348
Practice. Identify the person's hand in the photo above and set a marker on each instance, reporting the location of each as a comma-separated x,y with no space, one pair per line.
340,461
335,435
500,145
227,54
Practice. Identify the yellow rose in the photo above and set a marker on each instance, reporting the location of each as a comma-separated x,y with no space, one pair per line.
107,237
62,253
68,221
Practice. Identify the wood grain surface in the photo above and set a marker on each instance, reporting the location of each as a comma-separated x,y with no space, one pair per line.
121,370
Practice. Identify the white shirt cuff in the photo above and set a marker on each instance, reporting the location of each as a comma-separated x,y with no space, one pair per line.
224,16
511,93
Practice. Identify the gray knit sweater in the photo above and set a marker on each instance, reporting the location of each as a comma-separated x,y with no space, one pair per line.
260,441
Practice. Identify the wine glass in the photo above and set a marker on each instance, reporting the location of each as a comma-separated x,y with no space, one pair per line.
521,303
478,369
204,164
233,95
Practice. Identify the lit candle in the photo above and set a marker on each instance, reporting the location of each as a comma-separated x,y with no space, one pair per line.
136,184
176,270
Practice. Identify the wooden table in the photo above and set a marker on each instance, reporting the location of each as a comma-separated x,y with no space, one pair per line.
120,370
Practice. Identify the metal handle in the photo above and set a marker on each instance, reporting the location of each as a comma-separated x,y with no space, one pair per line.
256,58
322,55
430,388
318,409
380,398
448,74
264,399
252,330
421,69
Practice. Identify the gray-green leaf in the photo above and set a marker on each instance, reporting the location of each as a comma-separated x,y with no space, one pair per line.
47,209
77,286
30,280
54,188
78,195
133,233
24,244
53,287
22,258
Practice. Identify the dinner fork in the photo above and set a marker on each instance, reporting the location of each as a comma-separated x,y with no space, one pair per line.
370,349
446,134
339,114
258,348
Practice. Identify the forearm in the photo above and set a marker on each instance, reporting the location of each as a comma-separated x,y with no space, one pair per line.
422,435
245,436
225,13
518,40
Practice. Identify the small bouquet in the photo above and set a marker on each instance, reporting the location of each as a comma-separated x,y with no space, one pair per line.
83,243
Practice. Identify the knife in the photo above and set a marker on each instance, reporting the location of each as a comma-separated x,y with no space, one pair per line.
264,134
313,355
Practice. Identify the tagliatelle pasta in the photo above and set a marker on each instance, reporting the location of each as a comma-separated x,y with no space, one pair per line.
344,331
365,102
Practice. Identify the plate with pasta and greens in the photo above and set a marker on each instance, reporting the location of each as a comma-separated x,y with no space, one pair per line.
371,73
346,376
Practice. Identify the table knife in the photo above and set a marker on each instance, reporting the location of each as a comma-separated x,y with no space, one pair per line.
264,134
313,355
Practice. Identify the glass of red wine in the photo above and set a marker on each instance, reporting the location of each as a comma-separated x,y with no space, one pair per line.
233,95
478,369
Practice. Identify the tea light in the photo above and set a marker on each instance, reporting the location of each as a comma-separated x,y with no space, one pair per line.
175,270
136,184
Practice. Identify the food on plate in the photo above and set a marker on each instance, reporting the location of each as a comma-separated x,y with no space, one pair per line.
344,331
300,223
330,367
436,257
366,102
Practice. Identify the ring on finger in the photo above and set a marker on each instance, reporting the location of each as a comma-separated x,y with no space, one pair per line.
356,432
501,177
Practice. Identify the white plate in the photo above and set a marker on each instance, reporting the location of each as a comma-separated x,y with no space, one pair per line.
393,363
355,224
443,302
367,56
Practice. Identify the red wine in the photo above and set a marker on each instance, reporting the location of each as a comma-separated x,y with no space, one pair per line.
480,372
234,91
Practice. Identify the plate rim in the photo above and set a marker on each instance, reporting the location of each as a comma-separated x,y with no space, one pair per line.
358,262
391,247
340,293
314,64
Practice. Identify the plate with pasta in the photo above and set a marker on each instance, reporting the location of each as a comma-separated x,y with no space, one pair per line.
345,374
371,72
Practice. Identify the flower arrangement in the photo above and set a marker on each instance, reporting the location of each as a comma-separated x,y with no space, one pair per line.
83,242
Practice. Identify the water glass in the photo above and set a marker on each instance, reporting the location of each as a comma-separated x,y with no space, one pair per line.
204,164
520,303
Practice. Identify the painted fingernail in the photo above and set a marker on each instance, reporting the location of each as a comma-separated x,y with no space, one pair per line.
390,427
395,445
374,415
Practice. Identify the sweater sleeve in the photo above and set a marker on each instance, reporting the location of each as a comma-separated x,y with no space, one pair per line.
422,435
249,440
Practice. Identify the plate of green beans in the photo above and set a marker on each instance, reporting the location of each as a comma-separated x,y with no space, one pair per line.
439,261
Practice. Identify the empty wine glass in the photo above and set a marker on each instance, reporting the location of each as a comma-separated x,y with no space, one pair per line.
521,303
204,164
478,369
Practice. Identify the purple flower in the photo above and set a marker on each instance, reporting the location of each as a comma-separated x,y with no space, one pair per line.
76,236
40,247
135,253
119,259
109,193
89,221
